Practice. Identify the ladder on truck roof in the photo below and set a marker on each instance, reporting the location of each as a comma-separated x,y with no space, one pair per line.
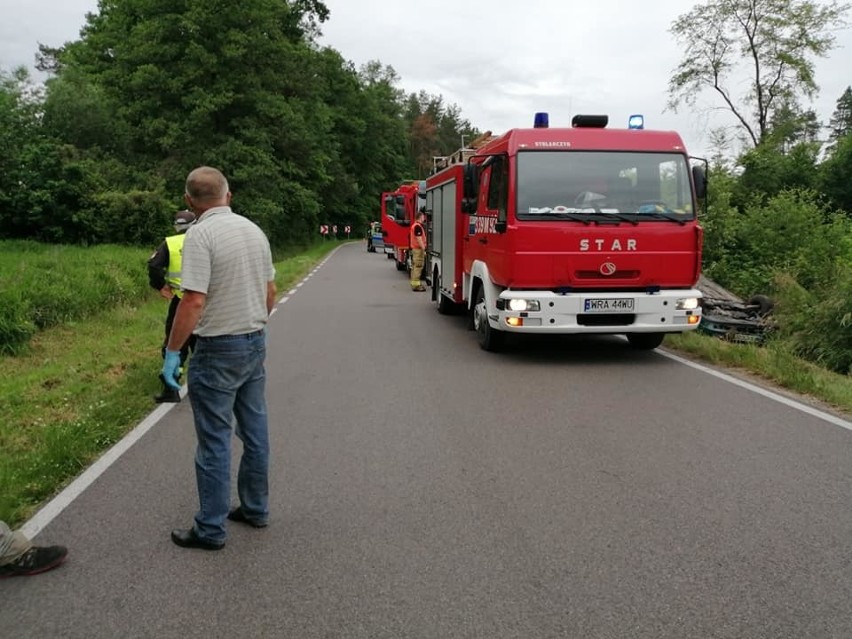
463,154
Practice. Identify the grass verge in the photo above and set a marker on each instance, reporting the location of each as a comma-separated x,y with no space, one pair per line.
80,387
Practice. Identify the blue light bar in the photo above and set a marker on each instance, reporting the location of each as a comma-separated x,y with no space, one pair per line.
541,121
636,122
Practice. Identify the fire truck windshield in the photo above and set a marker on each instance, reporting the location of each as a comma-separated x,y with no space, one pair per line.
594,185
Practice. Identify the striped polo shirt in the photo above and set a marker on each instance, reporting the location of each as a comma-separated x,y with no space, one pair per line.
227,257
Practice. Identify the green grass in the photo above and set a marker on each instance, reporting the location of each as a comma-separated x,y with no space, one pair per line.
44,285
78,387
771,363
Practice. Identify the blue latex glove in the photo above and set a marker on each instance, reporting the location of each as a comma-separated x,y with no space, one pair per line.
171,369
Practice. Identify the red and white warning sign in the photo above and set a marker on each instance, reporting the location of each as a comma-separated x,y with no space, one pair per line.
323,229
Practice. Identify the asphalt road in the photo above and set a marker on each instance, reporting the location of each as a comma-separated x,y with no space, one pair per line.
422,487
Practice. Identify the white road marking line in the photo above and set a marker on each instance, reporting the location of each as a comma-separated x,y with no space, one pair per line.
56,505
781,399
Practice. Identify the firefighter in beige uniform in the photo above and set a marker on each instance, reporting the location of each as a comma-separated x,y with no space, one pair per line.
417,237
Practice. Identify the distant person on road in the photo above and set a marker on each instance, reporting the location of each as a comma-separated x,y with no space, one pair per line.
19,558
417,238
164,268
228,293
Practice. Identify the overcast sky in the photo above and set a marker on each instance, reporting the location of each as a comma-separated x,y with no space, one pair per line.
500,61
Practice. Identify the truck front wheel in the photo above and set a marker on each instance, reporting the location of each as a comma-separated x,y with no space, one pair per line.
645,341
489,339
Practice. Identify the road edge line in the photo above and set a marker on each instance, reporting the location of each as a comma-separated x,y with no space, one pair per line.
781,399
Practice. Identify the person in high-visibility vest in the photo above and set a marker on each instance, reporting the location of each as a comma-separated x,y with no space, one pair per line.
417,242
164,275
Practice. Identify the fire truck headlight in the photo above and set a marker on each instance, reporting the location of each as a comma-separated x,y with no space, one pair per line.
521,305
687,304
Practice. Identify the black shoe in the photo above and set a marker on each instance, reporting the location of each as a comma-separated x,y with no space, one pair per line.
168,396
186,538
237,514
37,559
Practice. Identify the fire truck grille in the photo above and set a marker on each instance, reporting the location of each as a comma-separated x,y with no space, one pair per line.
606,319
597,275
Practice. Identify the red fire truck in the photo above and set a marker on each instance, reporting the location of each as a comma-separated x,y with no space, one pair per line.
399,208
569,230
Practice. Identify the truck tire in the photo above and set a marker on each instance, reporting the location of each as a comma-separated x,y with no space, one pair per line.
645,341
489,339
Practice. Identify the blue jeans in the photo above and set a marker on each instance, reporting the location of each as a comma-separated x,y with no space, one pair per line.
226,381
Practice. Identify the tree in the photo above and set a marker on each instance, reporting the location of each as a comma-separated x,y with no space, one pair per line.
423,142
771,42
766,172
841,120
192,84
834,174
435,129
790,125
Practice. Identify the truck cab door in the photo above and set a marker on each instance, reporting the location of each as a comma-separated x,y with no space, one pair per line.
487,243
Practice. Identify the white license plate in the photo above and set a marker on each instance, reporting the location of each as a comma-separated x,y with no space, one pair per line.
608,305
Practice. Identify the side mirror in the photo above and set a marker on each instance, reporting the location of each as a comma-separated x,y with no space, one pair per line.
700,179
471,182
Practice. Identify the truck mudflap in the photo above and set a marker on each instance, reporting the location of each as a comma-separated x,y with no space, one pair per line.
667,311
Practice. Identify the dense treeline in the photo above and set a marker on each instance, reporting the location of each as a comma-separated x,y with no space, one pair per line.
153,88
779,221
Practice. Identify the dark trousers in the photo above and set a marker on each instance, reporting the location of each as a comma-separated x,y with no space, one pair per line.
170,319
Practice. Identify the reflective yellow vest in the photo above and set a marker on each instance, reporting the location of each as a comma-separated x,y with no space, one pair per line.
175,244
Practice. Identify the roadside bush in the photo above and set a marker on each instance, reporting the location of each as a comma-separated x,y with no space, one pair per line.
817,324
793,232
139,218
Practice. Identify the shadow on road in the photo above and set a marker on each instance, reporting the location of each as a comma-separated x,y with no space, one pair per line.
567,349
